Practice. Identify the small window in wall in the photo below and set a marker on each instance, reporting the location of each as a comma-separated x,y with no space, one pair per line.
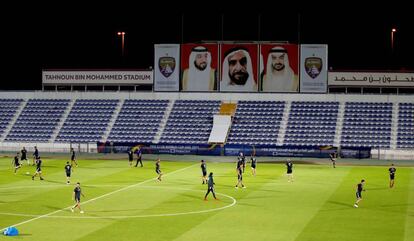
389,90
94,88
406,90
353,90
79,88
337,90
63,88
371,90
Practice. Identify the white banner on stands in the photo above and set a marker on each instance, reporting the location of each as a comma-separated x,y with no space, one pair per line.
84,77
371,79
313,68
166,67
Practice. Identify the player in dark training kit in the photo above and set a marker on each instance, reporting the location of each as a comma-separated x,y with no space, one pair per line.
35,155
130,157
240,175
333,156
68,170
77,192
211,184
253,164
158,169
38,168
203,171
24,156
139,157
360,188
16,163
73,157
392,171
289,171
241,158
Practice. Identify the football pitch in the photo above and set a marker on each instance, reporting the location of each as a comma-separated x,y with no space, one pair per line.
128,203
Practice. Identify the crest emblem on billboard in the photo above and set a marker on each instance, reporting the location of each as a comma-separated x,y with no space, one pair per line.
166,65
313,66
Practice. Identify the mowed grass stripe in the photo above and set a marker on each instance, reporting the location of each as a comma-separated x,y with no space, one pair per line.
276,210
380,215
409,221
149,228
57,204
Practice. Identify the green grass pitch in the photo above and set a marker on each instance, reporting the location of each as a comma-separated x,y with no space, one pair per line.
127,203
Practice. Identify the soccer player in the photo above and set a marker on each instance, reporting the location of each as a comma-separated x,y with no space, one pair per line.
139,157
77,192
240,175
360,188
253,163
73,157
35,155
289,171
392,171
16,163
333,156
204,171
68,170
157,169
24,156
38,168
242,159
211,184
130,157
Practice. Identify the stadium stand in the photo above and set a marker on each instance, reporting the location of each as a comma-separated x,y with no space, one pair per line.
256,122
311,123
406,125
138,121
38,120
87,121
190,121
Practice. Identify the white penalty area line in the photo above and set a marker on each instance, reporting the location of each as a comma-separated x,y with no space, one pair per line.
96,198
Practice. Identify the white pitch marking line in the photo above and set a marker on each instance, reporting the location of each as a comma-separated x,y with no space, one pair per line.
96,198
137,216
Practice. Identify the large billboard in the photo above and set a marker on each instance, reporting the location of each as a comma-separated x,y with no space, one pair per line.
199,67
313,68
166,69
239,72
279,65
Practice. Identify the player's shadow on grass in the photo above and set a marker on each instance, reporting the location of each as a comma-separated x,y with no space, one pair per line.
341,204
51,181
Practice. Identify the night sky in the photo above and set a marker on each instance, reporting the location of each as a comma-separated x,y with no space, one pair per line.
78,38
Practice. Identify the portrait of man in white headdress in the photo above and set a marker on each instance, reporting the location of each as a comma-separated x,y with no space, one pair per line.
199,76
279,76
238,72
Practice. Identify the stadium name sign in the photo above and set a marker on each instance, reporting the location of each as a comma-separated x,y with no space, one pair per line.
378,79
97,77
